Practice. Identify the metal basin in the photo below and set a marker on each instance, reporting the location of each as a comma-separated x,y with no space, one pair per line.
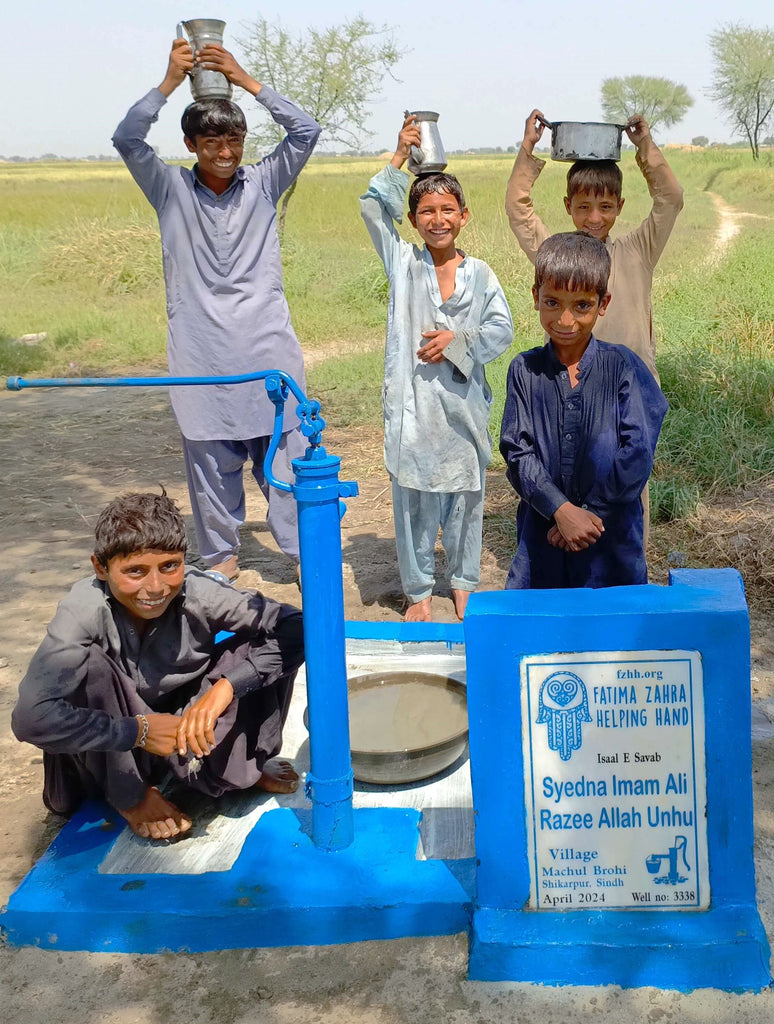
584,140
405,725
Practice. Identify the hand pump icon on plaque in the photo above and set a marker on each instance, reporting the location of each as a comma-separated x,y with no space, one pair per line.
672,877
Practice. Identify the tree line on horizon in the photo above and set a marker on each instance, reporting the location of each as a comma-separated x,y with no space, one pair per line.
333,73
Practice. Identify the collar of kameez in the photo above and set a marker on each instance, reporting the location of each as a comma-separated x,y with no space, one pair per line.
239,175
449,303
429,258
588,356
585,359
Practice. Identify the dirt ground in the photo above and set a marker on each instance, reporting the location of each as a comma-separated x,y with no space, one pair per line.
65,454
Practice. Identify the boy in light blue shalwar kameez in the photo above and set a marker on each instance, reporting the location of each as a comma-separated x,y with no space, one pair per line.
447,318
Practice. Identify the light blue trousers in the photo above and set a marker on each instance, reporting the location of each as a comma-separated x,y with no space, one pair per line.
418,517
216,489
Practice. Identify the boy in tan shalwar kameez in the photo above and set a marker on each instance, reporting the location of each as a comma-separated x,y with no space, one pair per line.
594,201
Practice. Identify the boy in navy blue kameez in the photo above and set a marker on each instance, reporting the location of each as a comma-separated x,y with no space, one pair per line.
579,432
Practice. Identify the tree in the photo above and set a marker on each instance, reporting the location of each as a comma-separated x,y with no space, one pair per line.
743,79
661,102
331,73
700,140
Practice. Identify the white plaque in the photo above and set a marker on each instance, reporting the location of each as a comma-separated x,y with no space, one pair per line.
615,781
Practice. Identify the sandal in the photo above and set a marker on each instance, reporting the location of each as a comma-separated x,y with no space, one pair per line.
219,577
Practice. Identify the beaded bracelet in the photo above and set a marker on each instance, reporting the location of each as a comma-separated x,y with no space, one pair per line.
144,734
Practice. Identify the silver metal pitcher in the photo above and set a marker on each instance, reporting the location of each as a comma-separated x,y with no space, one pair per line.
205,85
430,155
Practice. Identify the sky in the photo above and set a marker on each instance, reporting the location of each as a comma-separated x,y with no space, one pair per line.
72,69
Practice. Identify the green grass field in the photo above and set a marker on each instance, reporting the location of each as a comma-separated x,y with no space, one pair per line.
80,260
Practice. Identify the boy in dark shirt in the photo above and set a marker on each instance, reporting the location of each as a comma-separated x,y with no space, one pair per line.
129,685
579,432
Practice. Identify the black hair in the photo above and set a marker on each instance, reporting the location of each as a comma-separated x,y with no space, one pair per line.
573,260
596,177
434,181
139,522
212,117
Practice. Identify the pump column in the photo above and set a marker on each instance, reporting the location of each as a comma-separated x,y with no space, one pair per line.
330,782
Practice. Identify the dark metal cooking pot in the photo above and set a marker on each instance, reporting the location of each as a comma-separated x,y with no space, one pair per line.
584,140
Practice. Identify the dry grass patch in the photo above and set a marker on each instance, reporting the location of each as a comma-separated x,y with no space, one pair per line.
734,531
123,256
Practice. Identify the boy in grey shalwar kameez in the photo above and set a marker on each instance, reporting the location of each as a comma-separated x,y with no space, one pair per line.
226,306
447,317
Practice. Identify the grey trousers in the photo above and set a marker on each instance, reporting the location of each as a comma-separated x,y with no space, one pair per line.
418,517
216,490
247,734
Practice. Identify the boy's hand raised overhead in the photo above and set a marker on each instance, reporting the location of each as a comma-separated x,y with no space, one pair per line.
533,131
215,58
181,61
407,137
638,129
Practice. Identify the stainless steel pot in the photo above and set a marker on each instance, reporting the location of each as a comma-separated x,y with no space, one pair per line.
584,140
205,84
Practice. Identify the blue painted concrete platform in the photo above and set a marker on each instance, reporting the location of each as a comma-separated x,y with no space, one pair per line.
248,874
725,947
281,891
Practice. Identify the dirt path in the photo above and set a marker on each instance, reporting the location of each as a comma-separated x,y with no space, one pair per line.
729,225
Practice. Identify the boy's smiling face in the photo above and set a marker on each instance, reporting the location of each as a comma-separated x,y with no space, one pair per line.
439,219
568,317
144,582
218,157
595,215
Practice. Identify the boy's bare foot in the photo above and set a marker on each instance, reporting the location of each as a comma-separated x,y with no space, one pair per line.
419,611
460,599
229,567
155,818
278,777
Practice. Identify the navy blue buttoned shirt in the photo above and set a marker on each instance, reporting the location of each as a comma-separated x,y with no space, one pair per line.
592,445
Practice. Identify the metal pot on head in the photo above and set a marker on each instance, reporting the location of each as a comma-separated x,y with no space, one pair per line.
205,84
584,140
429,156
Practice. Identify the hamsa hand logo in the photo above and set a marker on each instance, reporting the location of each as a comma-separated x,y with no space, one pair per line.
563,705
